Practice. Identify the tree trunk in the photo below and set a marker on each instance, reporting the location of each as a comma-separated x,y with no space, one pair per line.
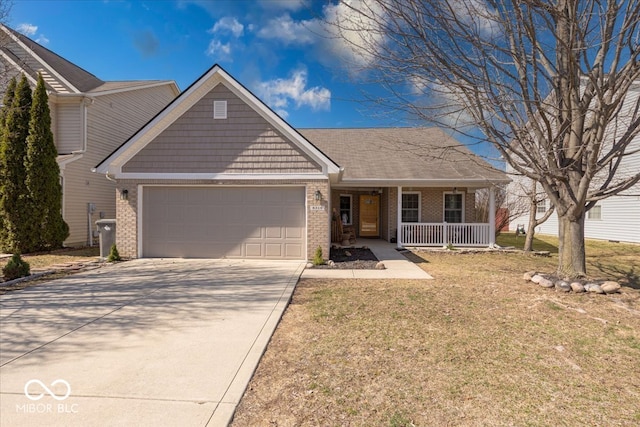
531,227
571,251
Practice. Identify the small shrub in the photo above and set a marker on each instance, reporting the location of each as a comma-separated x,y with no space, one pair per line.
15,268
113,254
451,247
317,258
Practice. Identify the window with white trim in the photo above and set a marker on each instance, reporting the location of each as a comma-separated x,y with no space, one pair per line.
410,207
346,209
453,207
541,206
219,110
595,212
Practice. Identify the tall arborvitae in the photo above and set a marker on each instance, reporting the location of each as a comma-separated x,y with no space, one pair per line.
43,175
15,200
6,105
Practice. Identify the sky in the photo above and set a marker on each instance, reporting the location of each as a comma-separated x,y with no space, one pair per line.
276,48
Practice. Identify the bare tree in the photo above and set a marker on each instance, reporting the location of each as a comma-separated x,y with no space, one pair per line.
528,195
507,208
551,84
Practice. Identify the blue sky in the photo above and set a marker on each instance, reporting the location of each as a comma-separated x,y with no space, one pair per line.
273,47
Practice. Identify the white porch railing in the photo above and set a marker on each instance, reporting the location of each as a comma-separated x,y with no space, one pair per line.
441,234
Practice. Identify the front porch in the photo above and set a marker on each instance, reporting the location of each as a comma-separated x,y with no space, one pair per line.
443,234
411,216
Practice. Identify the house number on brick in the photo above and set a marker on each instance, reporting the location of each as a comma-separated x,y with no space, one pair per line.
316,208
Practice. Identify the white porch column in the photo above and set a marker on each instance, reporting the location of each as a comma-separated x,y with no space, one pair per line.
492,217
399,232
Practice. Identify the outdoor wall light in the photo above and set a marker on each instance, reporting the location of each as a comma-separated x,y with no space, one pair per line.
318,195
124,194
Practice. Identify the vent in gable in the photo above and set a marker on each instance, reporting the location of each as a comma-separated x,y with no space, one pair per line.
219,110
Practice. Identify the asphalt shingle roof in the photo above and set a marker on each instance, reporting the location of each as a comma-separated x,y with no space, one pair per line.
420,154
81,79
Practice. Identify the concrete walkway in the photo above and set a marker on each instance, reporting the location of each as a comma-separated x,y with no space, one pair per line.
397,265
142,343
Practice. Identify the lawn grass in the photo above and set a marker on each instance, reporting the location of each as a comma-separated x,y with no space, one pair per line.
60,256
475,346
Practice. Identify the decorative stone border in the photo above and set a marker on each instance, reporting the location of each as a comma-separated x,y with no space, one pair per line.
578,286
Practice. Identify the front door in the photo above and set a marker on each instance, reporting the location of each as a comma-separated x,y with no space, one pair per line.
369,216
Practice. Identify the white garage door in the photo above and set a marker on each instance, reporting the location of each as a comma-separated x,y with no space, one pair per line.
231,222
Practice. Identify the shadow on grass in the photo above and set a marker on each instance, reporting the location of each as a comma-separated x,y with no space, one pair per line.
628,276
543,243
416,259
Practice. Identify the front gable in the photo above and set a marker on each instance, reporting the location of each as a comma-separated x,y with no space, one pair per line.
242,143
185,141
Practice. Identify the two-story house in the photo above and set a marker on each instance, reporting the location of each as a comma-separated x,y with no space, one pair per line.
89,118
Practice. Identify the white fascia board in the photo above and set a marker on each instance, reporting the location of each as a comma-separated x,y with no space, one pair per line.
96,92
41,61
217,176
374,182
64,159
17,67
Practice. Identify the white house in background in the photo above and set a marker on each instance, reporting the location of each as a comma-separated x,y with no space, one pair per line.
616,218
89,119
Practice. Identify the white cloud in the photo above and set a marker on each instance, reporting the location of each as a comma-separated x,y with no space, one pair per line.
288,31
42,40
228,24
476,13
222,51
279,93
353,30
342,35
27,29
282,4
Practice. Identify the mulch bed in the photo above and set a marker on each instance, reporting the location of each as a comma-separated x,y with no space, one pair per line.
351,259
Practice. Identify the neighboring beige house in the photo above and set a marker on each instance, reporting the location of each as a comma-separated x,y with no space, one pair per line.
219,174
89,118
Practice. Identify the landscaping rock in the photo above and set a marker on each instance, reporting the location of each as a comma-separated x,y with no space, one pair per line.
309,265
380,266
594,288
331,263
536,278
562,286
610,287
577,287
545,283
528,275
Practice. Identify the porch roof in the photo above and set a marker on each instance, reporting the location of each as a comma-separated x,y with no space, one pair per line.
403,156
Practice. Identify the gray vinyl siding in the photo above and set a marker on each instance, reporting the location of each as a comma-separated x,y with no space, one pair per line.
242,143
68,133
111,120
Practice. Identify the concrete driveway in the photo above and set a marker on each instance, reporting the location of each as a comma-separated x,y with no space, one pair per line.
142,343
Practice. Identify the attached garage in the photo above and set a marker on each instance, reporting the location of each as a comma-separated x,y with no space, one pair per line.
217,174
224,222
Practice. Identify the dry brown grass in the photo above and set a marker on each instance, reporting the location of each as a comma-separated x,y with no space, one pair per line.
474,347
60,256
